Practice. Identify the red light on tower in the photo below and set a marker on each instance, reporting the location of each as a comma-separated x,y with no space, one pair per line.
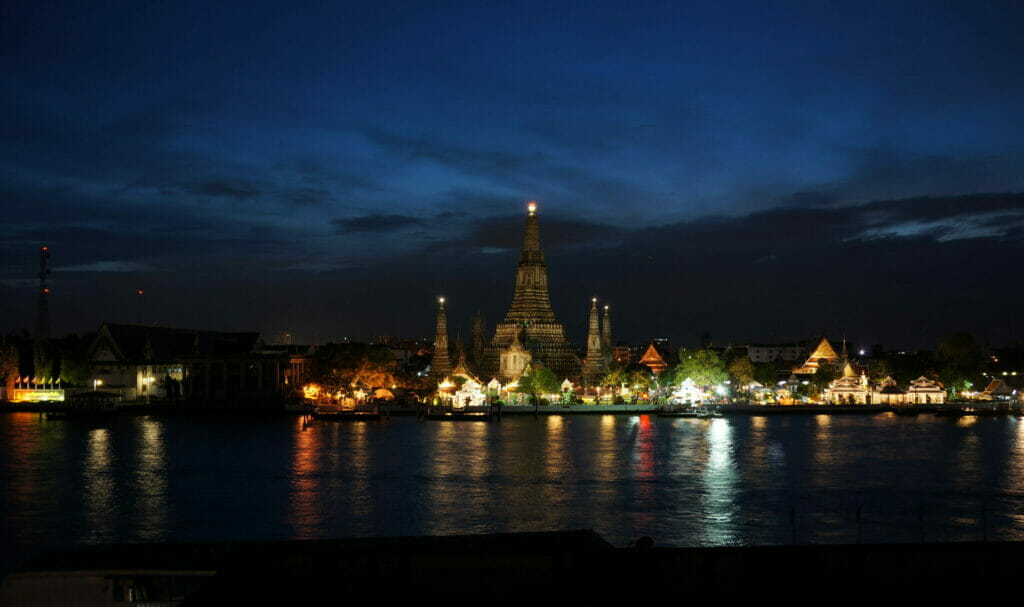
46,290
140,292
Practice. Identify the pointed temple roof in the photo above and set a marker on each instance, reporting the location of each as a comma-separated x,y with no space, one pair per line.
653,359
531,301
531,312
923,385
441,363
824,351
594,367
463,370
606,331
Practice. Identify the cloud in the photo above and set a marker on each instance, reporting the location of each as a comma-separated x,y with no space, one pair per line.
380,222
107,266
221,189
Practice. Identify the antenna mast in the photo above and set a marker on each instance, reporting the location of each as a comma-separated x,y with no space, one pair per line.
43,310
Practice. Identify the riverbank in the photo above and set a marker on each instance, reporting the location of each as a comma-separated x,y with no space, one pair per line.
555,567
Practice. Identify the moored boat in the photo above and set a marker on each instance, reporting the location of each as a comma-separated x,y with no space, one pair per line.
969,408
333,411
450,412
688,411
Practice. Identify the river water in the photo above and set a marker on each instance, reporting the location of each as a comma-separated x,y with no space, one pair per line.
684,482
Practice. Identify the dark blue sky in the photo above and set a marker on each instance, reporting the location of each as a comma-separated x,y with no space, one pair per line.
754,170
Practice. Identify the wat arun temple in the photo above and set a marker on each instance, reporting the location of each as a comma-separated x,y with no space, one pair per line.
530,336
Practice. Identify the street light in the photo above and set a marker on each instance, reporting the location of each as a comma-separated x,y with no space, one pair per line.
96,383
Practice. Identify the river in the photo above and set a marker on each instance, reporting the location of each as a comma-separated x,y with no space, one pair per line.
733,480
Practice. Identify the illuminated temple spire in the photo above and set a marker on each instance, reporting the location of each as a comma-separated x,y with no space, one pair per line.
479,341
531,302
441,363
594,366
531,314
606,334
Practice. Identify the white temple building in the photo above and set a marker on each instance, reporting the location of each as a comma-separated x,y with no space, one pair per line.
688,393
888,393
923,391
848,389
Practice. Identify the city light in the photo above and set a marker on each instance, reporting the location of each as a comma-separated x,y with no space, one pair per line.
311,391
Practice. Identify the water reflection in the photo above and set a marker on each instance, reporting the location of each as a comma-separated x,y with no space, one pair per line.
150,481
99,489
720,486
824,451
1014,477
682,481
305,511
459,498
607,461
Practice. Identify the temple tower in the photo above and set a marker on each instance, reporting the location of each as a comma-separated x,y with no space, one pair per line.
606,334
543,336
441,363
479,341
594,367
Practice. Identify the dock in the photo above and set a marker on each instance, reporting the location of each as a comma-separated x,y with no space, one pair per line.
451,413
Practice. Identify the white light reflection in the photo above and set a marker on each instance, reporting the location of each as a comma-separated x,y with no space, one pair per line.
151,481
720,480
1015,476
459,498
99,488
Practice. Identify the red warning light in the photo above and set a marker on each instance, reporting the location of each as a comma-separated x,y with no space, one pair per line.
140,292
47,290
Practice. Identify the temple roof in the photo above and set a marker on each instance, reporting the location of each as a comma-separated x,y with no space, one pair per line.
923,384
824,350
531,301
142,343
653,358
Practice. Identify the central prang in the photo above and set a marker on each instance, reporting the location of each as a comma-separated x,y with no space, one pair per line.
530,332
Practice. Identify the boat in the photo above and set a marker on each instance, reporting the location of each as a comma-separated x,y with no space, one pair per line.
450,412
336,411
968,408
685,410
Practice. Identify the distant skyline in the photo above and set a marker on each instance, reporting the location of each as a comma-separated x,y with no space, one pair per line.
758,171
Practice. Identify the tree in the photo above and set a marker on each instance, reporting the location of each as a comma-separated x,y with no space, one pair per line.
615,377
766,375
341,366
544,381
9,371
905,368
823,377
640,378
42,360
959,360
74,370
702,366
742,371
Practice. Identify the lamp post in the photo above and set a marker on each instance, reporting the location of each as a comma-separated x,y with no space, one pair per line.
96,383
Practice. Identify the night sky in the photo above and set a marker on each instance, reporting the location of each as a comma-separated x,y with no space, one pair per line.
756,171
